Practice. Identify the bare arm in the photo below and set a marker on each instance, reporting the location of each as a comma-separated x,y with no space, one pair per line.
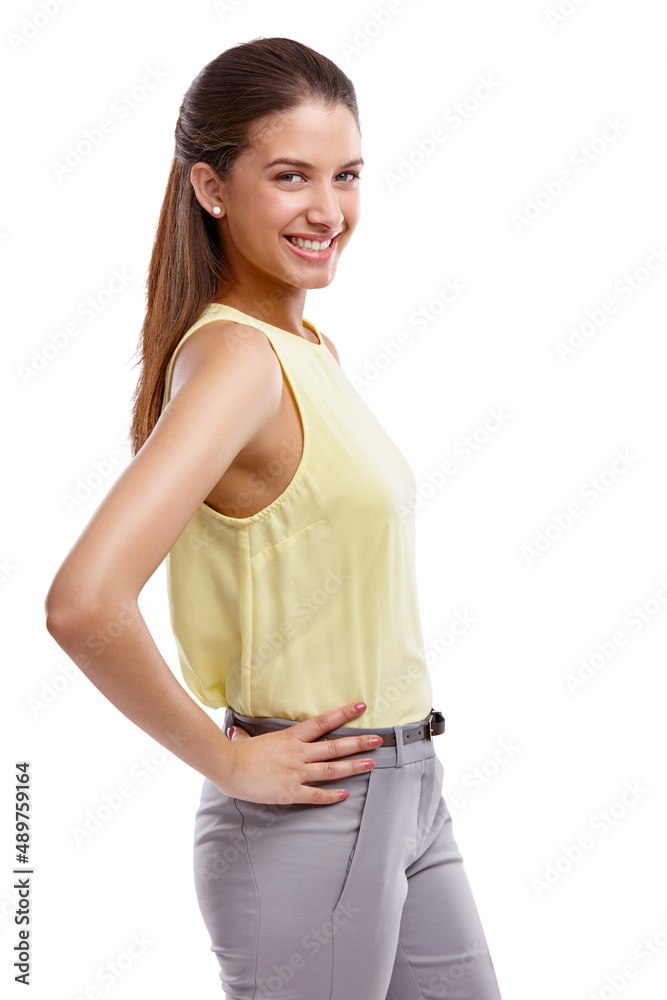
232,389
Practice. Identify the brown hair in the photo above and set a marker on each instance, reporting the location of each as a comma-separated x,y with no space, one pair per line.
188,268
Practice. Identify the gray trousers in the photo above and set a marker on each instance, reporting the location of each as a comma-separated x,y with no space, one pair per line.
363,899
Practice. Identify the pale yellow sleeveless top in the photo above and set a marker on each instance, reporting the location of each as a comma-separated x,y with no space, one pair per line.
312,602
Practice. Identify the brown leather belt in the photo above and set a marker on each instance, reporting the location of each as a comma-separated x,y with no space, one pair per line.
433,726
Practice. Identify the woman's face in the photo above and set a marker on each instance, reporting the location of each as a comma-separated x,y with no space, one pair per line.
266,199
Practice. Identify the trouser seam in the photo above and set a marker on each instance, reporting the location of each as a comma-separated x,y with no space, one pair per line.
254,882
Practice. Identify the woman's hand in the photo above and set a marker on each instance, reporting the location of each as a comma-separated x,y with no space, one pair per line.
273,767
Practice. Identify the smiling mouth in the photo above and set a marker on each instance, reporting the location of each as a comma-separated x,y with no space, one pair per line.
297,241
306,249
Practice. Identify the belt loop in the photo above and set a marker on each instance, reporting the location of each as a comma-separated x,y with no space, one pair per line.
398,734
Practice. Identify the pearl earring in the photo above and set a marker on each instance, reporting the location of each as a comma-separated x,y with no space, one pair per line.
216,210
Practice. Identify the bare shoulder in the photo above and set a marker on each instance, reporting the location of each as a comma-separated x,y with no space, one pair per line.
227,378
234,347
222,351
330,344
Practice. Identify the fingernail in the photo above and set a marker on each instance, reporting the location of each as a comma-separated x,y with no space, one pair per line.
359,705
230,732
376,740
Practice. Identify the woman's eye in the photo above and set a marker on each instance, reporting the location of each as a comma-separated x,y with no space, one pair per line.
345,173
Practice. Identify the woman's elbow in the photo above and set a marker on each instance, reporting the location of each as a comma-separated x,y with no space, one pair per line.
68,610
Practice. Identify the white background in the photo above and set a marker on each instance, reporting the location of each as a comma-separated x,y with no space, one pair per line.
556,927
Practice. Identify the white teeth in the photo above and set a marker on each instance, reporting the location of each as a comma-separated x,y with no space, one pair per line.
309,244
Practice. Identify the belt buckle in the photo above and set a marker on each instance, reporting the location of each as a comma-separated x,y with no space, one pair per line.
437,719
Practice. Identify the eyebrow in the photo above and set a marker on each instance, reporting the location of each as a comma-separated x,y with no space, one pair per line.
309,166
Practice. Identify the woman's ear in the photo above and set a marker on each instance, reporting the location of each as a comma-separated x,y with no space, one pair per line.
208,189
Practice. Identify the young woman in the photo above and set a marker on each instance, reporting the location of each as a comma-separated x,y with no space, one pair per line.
278,502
